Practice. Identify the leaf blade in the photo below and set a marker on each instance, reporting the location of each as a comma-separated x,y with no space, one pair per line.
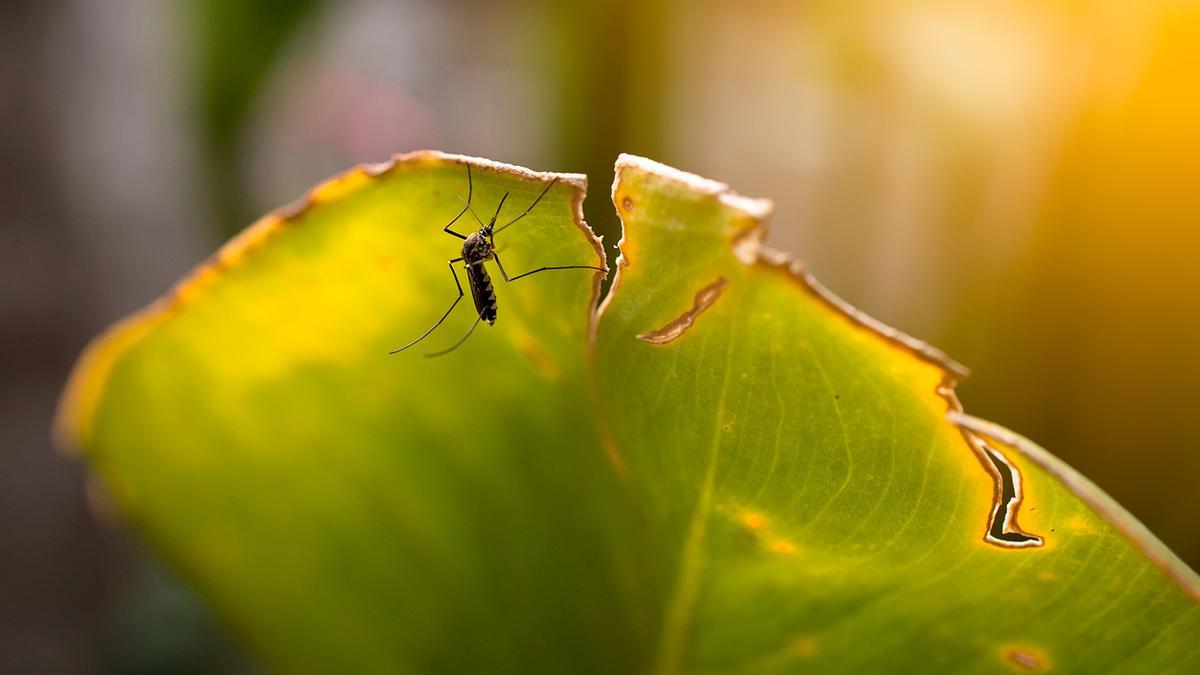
830,504
350,511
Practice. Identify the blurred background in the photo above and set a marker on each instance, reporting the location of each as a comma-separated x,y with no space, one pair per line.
1017,182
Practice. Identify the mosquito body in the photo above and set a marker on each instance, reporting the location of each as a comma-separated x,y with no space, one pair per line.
478,248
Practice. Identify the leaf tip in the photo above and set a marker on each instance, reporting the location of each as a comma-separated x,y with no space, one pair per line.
756,208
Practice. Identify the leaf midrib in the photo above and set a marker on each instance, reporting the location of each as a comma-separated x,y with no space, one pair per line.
677,619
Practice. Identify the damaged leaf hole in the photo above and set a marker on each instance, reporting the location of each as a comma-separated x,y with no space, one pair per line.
705,298
1003,529
1026,660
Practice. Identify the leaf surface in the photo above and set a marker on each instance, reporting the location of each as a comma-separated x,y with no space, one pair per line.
825,514
727,470
351,511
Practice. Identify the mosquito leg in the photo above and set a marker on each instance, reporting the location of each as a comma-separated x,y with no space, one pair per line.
470,191
456,344
499,266
542,269
439,321
526,211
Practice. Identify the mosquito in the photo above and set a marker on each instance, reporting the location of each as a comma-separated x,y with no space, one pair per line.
478,248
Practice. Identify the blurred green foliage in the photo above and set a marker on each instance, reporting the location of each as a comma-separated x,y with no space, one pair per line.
238,42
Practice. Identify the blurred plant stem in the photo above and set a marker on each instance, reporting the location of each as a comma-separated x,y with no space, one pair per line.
607,64
238,42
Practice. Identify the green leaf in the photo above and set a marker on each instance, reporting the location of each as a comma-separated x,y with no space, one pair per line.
825,515
740,474
351,511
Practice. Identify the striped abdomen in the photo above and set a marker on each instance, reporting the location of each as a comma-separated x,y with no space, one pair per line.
482,292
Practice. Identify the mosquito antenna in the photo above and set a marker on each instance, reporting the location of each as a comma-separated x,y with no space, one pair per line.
456,344
526,211
476,215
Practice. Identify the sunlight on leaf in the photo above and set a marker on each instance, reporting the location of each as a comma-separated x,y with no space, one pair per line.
726,470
